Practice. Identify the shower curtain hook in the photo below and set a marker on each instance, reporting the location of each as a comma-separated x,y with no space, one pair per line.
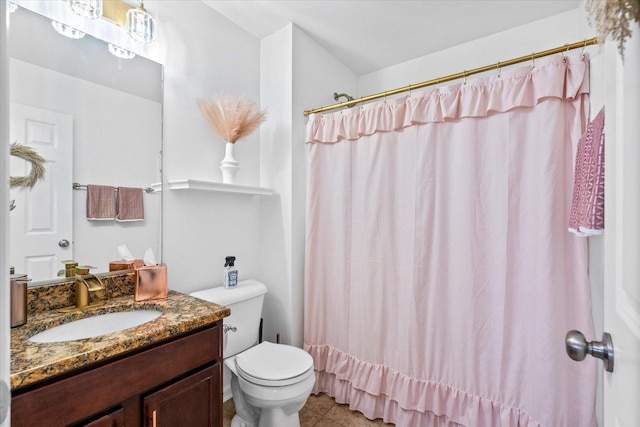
584,46
464,80
499,68
533,60
438,84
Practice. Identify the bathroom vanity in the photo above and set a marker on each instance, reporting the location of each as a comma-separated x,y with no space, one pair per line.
165,372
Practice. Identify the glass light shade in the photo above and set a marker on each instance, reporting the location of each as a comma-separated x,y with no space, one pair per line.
120,52
140,24
91,9
67,31
12,7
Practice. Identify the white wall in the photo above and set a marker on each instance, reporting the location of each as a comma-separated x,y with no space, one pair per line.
557,30
33,39
275,169
116,142
296,73
203,55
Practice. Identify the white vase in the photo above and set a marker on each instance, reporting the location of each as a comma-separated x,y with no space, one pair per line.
229,165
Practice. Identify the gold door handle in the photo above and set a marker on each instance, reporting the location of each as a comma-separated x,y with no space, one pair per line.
153,418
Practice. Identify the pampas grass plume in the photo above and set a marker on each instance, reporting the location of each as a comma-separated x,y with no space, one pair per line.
232,118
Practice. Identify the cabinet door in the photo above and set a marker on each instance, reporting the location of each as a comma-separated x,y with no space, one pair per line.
191,401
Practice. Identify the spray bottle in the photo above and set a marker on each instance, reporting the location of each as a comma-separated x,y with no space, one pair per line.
230,273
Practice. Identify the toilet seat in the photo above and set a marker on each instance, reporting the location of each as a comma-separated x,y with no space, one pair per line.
274,365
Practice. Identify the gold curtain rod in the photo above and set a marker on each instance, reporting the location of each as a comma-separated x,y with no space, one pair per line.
456,76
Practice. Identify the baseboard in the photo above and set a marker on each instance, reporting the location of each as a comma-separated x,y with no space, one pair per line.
226,393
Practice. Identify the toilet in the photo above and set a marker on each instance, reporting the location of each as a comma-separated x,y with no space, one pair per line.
269,382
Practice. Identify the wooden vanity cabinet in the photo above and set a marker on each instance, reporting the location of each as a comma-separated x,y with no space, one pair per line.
177,383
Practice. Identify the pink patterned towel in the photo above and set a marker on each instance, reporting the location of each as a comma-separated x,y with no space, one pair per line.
587,208
101,203
130,204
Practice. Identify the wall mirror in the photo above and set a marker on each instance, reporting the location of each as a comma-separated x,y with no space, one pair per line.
96,119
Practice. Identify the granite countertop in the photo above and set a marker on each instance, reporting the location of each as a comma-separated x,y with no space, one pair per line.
32,362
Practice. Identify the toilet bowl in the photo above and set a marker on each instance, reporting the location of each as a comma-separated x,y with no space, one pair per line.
269,382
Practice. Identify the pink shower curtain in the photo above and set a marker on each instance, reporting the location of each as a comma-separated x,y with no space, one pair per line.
440,277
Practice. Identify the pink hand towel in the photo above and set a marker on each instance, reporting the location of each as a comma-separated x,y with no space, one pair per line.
130,204
101,203
587,208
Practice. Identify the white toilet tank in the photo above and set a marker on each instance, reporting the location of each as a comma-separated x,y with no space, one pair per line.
245,302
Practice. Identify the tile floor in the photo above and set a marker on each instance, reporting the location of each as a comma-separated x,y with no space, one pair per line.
320,411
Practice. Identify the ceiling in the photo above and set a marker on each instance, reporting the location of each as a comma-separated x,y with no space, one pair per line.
367,35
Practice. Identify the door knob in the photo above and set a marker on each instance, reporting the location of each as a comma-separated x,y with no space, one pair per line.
63,243
578,348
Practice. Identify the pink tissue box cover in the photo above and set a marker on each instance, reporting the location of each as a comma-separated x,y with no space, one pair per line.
151,283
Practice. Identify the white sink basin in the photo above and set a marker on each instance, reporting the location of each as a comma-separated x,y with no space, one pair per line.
95,326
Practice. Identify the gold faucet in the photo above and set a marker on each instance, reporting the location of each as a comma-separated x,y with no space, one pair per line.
86,284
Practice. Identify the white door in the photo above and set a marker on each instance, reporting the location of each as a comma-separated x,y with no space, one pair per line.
41,223
622,233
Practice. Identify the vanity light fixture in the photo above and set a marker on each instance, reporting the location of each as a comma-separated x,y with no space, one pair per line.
66,30
140,24
12,7
91,9
120,52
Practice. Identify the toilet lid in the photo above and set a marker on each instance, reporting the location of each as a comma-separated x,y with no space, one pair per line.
273,362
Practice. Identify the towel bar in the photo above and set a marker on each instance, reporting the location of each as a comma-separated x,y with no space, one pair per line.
77,186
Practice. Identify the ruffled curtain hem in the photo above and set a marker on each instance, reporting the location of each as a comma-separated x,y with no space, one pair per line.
381,392
555,76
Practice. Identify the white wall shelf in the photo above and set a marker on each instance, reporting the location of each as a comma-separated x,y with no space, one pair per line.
219,187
